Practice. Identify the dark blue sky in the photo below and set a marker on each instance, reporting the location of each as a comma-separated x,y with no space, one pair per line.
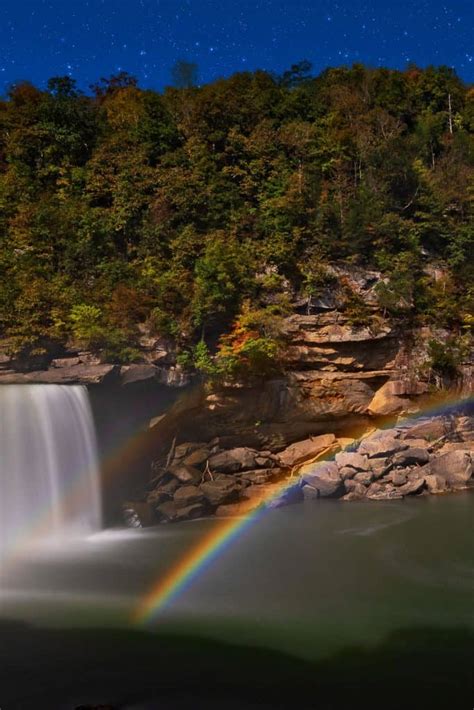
92,38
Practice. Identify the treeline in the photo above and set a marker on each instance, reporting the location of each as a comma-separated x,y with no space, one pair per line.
197,210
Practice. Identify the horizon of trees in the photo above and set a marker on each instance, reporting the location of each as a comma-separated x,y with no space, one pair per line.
189,210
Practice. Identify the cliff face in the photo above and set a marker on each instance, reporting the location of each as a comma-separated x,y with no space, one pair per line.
341,370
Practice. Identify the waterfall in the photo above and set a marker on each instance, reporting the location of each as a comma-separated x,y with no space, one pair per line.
49,475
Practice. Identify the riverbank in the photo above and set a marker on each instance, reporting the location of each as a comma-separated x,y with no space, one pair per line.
425,456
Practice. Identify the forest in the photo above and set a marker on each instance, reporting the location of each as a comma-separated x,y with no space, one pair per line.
199,212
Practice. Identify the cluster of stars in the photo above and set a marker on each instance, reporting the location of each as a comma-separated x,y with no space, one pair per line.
91,38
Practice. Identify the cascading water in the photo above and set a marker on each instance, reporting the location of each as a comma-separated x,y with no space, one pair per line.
49,475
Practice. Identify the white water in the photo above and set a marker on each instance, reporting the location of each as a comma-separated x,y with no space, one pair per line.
49,475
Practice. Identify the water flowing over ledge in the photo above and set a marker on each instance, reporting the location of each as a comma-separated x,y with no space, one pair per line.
49,472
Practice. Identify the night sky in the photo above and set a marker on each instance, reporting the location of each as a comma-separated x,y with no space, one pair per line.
92,38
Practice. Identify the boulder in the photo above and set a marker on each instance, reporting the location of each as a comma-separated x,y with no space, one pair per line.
187,495
185,474
353,460
167,511
398,478
379,491
307,449
430,429
411,487
325,478
382,445
234,460
380,467
183,450
347,472
387,400
411,456
465,428
262,475
220,491
455,467
197,458
364,477
436,483
357,492
310,493
190,512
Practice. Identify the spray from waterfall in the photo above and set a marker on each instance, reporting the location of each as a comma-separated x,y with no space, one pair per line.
49,473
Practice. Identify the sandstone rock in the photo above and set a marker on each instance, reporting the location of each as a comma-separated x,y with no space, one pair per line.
398,478
187,495
353,460
356,492
190,512
351,486
379,467
380,446
223,490
436,483
411,487
183,450
325,478
455,467
346,472
234,460
386,402
378,491
197,458
310,493
261,475
304,450
185,474
456,446
465,428
411,456
430,430
364,477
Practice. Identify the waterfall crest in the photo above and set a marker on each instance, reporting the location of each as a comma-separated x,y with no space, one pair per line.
49,474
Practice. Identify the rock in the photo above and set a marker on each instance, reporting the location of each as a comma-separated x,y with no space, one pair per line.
347,472
386,401
353,460
183,450
380,446
186,474
261,475
465,428
138,515
325,478
264,461
411,487
167,511
398,478
187,495
233,460
410,457
436,483
197,458
379,467
190,512
351,486
310,493
220,491
236,509
456,446
364,477
304,450
356,492
430,430
455,467
379,491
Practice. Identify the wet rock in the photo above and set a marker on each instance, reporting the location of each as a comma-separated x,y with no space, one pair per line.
410,457
220,491
435,483
138,515
307,449
234,460
379,491
325,478
381,446
187,495
186,474
412,487
355,492
352,460
455,467
364,477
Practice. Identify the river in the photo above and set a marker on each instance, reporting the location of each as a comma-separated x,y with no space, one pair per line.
319,583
